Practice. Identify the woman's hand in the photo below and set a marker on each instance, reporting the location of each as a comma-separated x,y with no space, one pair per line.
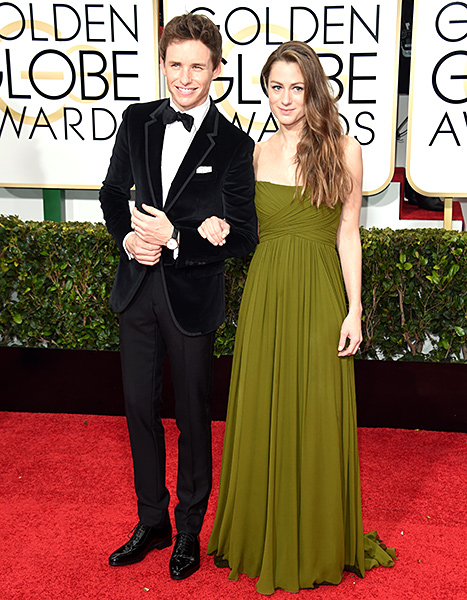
351,332
215,230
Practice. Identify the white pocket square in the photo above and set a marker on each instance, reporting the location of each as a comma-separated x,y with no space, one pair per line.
204,170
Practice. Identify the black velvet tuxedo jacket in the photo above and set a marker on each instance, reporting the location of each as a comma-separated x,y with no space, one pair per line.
215,178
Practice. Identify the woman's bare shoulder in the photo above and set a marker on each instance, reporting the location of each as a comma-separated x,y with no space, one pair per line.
351,146
259,148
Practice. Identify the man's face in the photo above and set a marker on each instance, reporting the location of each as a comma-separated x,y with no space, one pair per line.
189,72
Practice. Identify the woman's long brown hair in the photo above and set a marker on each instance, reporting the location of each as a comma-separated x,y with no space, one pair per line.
321,167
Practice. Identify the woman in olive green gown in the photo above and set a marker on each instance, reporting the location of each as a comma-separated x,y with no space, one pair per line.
289,509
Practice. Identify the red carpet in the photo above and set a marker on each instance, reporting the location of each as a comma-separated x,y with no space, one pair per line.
67,502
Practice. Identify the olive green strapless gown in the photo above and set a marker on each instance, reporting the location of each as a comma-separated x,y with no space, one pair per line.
289,509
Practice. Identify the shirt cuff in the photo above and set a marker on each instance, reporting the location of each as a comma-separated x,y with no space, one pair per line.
128,253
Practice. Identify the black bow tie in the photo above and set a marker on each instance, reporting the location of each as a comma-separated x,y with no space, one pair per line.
170,116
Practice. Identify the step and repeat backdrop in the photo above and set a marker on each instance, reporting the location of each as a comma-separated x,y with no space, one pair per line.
69,69
437,133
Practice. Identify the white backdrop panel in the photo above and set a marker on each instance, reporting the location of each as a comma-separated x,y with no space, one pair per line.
437,133
358,43
67,72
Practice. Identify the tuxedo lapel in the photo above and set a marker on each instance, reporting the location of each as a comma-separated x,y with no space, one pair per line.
154,138
201,145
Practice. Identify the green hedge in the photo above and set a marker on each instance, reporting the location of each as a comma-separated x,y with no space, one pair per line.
56,280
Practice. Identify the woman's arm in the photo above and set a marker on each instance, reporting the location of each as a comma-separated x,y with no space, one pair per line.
350,251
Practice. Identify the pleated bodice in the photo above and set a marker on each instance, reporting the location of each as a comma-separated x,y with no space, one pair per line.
280,213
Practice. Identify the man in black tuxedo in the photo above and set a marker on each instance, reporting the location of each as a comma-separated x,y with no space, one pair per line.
188,163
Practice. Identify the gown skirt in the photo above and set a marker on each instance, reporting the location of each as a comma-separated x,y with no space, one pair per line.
289,507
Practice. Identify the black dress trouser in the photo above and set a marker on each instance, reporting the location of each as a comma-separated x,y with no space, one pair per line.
147,334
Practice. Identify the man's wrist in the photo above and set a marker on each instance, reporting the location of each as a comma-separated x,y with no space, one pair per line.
173,242
125,239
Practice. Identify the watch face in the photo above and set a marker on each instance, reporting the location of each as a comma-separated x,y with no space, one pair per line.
172,244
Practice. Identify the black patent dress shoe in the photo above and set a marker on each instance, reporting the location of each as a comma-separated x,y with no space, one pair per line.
185,555
143,540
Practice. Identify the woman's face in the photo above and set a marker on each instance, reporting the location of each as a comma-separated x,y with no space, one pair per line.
286,90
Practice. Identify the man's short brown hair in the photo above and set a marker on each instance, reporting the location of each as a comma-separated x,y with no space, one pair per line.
192,27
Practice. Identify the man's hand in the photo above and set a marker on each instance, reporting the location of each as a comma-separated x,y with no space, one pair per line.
144,253
215,230
154,229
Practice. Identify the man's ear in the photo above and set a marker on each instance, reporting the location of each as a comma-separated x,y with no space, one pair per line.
217,71
161,62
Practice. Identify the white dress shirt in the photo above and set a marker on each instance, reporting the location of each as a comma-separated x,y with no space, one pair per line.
177,140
